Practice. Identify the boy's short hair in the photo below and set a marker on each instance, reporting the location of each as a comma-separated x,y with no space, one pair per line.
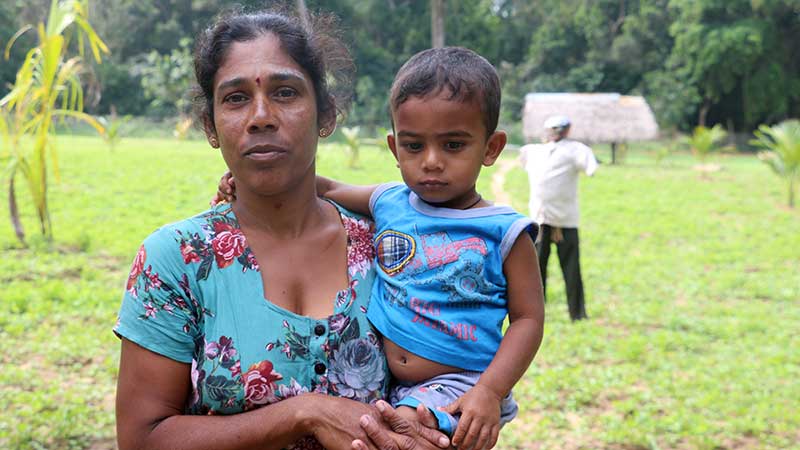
467,75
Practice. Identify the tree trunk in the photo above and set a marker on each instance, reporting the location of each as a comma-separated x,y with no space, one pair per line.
701,117
791,192
437,23
613,153
14,212
302,11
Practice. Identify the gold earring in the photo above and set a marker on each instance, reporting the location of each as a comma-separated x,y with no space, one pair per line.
214,142
323,132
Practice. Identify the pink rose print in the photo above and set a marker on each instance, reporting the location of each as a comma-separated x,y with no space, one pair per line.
360,252
188,253
228,244
259,384
136,269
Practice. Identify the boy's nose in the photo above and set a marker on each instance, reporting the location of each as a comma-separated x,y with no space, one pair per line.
432,160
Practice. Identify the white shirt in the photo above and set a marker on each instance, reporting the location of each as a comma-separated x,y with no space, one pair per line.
553,169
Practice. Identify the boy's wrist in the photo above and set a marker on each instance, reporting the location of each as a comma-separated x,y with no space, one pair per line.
499,395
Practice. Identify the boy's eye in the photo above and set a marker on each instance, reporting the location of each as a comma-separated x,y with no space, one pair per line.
453,145
413,146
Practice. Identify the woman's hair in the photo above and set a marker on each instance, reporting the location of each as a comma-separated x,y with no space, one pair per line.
465,75
315,46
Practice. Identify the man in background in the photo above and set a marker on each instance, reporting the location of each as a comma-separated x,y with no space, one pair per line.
553,169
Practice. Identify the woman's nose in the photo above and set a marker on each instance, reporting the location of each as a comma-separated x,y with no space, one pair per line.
262,117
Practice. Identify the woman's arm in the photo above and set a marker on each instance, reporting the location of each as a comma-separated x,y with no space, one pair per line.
153,390
353,197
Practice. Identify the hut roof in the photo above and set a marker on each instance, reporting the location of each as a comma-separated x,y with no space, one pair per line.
596,118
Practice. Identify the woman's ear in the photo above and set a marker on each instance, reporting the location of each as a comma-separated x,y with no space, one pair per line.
494,146
327,121
211,133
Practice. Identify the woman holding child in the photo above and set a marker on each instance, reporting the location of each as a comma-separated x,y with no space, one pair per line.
245,326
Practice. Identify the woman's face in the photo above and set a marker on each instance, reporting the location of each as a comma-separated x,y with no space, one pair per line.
265,117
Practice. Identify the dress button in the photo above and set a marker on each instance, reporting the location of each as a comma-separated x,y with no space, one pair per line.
319,330
319,368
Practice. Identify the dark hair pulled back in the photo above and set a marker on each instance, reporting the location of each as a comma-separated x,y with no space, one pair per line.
316,47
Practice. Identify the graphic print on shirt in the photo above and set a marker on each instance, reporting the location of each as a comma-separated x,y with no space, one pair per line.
395,250
452,267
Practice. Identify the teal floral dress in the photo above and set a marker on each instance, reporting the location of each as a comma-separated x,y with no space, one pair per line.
195,295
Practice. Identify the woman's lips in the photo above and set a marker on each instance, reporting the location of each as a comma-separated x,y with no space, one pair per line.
265,153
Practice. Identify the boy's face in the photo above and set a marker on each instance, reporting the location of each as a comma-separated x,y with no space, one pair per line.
440,146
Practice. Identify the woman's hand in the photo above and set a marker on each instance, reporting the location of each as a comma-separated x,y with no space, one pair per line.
226,190
334,421
403,434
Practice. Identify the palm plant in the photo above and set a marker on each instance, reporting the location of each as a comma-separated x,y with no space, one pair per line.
47,87
353,143
112,126
781,144
703,140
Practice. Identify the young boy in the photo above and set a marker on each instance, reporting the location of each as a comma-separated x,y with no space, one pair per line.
451,265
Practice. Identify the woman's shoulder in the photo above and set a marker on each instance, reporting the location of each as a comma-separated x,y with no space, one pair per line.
180,240
201,223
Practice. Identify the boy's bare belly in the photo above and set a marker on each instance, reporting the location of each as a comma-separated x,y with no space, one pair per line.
410,368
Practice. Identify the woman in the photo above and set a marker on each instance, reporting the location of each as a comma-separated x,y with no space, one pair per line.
244,326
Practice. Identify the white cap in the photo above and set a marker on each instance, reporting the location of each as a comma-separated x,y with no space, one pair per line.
557,122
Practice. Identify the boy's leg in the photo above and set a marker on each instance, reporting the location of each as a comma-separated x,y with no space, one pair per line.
441,391
543,250
569,258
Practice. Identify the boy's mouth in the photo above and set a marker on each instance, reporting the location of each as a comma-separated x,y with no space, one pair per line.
431,182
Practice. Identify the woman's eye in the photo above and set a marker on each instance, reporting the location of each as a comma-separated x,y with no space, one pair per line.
413,146
454,145
235,98
286,93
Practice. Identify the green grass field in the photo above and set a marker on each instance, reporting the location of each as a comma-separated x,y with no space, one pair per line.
693,293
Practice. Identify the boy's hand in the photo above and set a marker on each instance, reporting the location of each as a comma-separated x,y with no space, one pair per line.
226,190
479,425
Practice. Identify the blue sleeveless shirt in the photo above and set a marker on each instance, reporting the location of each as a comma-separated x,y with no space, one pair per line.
440,291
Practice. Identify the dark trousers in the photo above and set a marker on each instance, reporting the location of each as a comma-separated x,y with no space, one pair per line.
569,257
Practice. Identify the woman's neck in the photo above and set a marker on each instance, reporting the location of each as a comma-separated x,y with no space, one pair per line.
287,215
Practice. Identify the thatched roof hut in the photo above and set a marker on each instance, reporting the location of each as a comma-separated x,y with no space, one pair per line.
596,118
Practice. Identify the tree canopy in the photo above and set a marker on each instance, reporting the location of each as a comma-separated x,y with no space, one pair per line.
735,62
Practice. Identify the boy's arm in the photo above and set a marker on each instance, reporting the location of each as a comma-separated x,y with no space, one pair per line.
526,319
353,197
517,349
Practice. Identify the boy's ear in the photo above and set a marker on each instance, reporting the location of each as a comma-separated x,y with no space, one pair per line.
392,144
494,146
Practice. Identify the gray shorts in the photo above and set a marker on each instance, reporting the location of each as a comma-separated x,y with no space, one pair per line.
443,390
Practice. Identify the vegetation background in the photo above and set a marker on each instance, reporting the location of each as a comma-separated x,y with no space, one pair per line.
692,282
693,277
734,62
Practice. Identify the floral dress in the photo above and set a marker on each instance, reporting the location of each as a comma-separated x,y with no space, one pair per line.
195,295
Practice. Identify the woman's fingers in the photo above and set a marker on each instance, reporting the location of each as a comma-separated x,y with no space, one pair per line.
377,434
426,417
